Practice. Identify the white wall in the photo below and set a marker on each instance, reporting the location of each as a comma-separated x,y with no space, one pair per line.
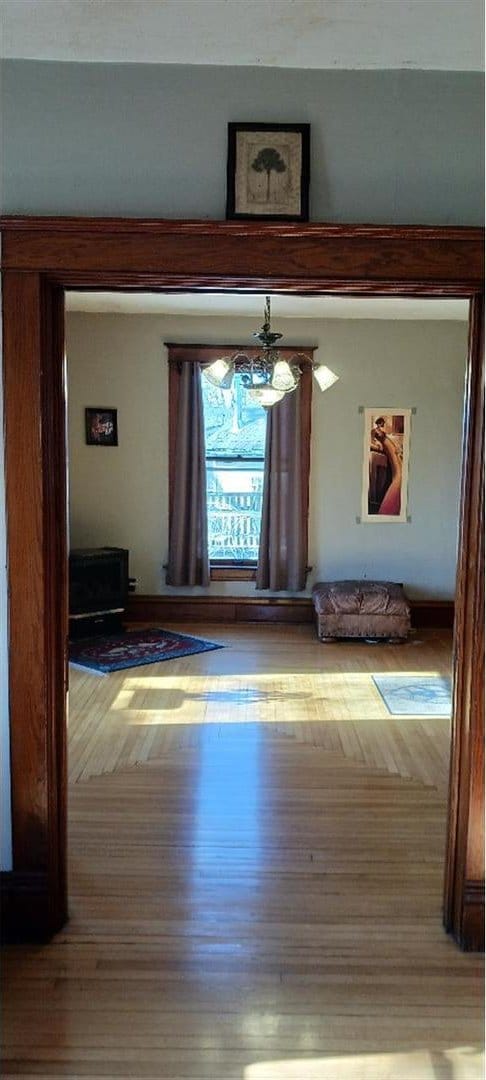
119,495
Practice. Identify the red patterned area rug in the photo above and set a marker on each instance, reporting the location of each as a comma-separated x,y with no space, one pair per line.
133,649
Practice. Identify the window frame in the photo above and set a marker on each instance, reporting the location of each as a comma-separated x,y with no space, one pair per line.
243,570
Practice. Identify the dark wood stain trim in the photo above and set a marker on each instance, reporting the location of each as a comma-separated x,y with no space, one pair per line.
465,844
36,536
433,615
25,906
232,573
295,252
24,467
205,227
225,609
56,591
322,285
42,254
306,425
218,609
173,403
470,935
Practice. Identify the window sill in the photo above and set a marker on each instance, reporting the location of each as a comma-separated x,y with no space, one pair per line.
232,573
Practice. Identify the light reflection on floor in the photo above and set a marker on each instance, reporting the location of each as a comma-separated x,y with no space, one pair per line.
227,804
458,1063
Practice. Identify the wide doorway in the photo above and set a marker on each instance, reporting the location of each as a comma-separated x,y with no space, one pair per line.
254,836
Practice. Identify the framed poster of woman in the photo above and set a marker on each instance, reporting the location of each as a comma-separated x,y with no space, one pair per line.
385,465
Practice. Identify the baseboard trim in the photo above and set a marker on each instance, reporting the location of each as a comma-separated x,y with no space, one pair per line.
25,906
219,609
471,937
426,614
432,614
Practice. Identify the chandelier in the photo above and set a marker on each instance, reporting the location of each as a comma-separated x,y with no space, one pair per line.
268,376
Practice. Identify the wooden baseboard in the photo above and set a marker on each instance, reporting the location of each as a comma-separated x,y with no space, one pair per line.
432,614
426,614
219,609
25,906
471,937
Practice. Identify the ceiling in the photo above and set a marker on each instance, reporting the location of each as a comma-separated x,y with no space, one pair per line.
444,35
251,305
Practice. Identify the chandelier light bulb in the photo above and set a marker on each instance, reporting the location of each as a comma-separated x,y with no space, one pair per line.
324,376
283,377
267,376
220,372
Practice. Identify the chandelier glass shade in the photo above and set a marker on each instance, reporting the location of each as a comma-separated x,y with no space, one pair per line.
268,376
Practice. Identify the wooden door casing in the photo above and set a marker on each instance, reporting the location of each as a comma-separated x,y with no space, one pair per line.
44,256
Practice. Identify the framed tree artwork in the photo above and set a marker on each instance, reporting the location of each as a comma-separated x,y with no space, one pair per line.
268,171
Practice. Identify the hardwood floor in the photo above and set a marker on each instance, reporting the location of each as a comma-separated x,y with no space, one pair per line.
256,853
278,675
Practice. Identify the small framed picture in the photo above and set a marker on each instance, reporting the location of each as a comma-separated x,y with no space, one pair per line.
101,427
386,454
268,171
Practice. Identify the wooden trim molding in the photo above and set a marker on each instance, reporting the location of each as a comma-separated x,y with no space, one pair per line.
25,905
430,615
471,933
42,257
259,255
232,572
464,902
219,609
68,224
35,461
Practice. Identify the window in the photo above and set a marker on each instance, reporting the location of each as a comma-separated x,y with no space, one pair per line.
235,430
235,437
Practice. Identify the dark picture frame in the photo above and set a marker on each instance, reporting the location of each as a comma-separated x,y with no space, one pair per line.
268,177
101,426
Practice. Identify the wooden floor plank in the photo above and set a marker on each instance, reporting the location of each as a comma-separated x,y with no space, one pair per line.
256,862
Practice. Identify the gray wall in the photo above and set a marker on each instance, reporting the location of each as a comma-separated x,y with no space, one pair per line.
387,146
149,140
119,495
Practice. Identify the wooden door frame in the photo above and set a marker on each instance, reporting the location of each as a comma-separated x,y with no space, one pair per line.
44,256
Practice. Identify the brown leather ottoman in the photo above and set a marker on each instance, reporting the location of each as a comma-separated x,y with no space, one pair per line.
361,609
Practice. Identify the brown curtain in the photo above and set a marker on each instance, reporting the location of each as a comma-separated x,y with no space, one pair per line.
188,540
282,557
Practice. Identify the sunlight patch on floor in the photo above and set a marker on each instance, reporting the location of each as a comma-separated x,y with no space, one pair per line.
159,682
269,698
293,688
460,1063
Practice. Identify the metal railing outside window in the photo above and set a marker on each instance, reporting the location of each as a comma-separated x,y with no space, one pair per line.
234,515
235,429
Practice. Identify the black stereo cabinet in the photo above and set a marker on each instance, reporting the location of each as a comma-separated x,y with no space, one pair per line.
98,590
